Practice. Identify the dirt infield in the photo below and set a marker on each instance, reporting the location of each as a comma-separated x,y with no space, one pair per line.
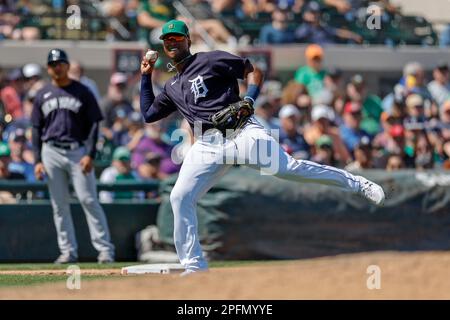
423,275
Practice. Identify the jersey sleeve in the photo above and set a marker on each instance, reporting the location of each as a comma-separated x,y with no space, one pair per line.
228,64
154,108
37,117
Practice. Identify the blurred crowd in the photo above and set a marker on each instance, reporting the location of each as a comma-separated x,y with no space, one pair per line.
321,116
285,21
337,121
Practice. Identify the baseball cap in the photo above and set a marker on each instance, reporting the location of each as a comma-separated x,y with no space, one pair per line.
174,27
397,130
313,51
322,111
414,100
32,70
324,140
121,113
289,110
17,135
4,150
122,154
59,55
364,142
334,72
135,117
118,78
357,80
153,158
312,6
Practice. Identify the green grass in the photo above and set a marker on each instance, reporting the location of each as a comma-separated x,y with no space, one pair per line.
10,280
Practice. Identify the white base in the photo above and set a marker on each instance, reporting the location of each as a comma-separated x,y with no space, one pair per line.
161,268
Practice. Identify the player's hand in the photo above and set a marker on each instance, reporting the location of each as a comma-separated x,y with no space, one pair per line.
86,164
39,171
147,66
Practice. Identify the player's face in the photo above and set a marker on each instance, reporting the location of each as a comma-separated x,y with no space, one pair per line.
58,70
176,46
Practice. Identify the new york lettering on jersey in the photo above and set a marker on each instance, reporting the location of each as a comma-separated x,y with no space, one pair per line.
67,113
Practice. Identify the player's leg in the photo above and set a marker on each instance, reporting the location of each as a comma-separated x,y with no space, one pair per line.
86,191
264,152
58,184
201,168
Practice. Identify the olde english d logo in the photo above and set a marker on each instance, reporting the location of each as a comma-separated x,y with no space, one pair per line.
198,88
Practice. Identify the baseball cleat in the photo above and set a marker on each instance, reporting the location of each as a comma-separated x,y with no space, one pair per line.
371,191
66,258
105,257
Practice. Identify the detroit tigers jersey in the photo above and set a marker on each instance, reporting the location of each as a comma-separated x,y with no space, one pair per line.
65,114
207,84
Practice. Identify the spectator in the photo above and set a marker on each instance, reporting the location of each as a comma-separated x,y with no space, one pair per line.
371,104
152,14
423,153
265,113
278,31
18,146
290,138
395,162
149,140
32,73
120,170
324,151
312,74
5,160
76,71
362,155
297,94
312,30
118,133
351,132
11,94
322,124
150,169
115,98
415,111
333,81
439,88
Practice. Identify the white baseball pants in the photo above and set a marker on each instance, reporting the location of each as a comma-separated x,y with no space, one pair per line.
211,156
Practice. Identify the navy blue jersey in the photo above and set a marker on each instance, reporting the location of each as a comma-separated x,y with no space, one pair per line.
65,114
207,84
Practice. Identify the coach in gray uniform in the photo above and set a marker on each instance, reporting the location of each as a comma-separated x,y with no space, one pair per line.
65,121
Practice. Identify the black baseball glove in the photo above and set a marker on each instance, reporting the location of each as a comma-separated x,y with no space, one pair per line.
233,117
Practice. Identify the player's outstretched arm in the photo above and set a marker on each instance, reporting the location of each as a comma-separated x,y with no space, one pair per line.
255,80
152,108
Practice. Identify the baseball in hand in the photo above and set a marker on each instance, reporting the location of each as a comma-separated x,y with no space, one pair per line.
151,55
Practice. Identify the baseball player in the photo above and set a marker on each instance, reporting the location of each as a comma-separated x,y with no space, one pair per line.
65,121
205,91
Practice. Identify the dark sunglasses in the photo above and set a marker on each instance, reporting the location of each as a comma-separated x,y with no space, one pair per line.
54,63
176,38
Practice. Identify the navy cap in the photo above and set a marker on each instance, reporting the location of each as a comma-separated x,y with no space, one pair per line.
57,55
312,6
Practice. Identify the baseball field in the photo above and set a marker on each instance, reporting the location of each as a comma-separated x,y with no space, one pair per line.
402,275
